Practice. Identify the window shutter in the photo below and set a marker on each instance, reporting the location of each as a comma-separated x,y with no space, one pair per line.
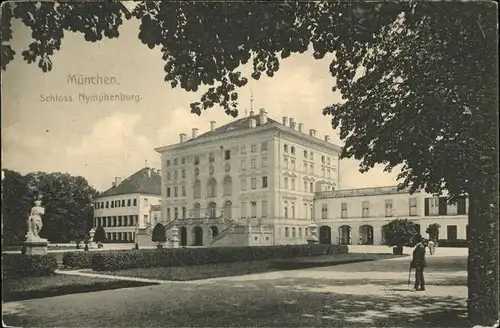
461,210
442,206
427,207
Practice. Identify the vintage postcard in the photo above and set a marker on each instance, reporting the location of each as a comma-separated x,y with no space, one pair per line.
249,164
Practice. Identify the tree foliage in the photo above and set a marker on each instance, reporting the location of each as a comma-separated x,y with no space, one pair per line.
418,81
159,234
433,231
401,232
67,200
100,235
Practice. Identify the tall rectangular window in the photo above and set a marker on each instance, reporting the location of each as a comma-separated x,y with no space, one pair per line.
243,184
254,183
264,182
287,232
343,210
183,191
366,209
184,213
196,159
461,206
254,163
324,211
253,209
243,209
388,207
253,149
264,161
227,155
292,184
264,208
413,206
168,214
243,165
285,183
451,232
264,146
443,205
294,234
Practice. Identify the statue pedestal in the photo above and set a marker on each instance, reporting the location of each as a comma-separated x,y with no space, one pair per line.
312,240
36,246
143,237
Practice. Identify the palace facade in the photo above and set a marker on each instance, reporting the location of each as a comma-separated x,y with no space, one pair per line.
249,182
358,216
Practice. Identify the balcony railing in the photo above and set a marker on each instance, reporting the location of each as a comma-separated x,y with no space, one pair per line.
359,192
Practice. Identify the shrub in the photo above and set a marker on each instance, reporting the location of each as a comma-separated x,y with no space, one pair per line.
99,235
401,233
20,265
117,260
77,260
452,243
159,234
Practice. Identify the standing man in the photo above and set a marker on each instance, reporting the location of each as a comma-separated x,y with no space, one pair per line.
432,247
418,263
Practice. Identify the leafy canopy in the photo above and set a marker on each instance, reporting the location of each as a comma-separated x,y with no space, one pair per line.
159,234
100,235
401,232
416,77
67,200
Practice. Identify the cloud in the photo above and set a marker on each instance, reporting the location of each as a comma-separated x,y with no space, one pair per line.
351,178
112,148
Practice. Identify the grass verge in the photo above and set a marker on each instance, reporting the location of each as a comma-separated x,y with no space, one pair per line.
207,271
57,285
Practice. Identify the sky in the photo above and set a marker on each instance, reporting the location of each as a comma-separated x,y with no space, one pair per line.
100,141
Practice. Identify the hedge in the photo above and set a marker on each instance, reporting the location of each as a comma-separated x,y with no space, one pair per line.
144,258
77,260
19,265
452,243
82,260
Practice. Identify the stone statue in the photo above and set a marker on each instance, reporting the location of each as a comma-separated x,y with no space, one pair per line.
35,222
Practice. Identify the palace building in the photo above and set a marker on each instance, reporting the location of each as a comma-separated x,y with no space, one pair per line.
358,216
126,206
249,182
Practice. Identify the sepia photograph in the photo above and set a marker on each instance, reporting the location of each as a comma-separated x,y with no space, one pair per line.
250,164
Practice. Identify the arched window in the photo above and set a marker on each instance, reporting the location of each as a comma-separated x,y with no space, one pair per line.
212,210
228,186
212,188
227,209
197,211
197,189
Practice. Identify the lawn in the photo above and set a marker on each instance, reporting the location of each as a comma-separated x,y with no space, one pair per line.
207,271
353,295
56,285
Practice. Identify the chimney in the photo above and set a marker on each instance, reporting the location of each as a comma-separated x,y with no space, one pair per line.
327,138
292,123
212,125
312,132
251,113
253,123
148,172
285,121
195,133
113,184
118,180
182,137
301,126
263,116
158,171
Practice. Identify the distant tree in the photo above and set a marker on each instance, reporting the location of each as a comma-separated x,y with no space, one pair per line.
67,200
99,235
68,204
433,231
16,204
159,234
401,232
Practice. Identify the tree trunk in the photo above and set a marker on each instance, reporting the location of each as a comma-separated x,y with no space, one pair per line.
482,265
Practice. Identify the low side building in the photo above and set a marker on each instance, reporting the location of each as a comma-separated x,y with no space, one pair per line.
125,207
358,216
